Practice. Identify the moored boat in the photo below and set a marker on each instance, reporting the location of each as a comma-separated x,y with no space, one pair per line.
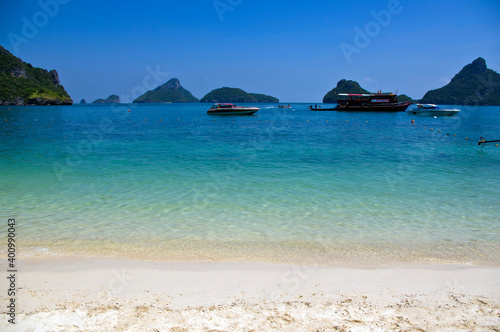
370,102
432,110
231,109
366,102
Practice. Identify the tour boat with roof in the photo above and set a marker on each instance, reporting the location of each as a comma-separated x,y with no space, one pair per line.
367,102
231,109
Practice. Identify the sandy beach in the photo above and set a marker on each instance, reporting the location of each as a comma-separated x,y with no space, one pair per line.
104,294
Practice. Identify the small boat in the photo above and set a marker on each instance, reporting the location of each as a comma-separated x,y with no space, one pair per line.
318,108
433,110
231,109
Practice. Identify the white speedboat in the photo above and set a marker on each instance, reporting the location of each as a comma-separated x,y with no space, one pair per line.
431,109
231,109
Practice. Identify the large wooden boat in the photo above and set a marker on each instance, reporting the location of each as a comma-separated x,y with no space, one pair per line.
369,102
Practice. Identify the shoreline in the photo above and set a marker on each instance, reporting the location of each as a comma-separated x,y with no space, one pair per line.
348,255
57,293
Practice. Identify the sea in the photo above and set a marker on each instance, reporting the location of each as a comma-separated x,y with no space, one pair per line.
170,182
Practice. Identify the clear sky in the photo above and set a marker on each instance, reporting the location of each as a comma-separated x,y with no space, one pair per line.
293,50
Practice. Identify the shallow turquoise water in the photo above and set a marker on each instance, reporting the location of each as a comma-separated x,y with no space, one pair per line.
170,182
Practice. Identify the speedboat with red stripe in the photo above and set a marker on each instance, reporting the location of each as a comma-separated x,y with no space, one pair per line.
231,109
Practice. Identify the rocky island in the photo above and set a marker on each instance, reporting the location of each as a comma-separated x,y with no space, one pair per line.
113,99
235,95
22,84
170,92
343,86
475,84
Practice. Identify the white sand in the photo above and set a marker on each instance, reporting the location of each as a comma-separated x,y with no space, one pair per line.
74,294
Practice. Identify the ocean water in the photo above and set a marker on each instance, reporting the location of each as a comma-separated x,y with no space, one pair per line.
168,181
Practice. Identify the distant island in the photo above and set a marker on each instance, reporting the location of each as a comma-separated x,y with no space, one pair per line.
170,92
83,101
475,84
22,84
405,99
235,95
261,98
345,86
113,99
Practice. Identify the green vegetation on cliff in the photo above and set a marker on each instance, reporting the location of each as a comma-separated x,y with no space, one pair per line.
475,84
343,86
23,84
170,92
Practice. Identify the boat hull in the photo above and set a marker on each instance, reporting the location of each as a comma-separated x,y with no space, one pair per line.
375,108
233,111
429,112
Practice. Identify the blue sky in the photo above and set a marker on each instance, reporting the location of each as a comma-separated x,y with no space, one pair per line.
294,50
